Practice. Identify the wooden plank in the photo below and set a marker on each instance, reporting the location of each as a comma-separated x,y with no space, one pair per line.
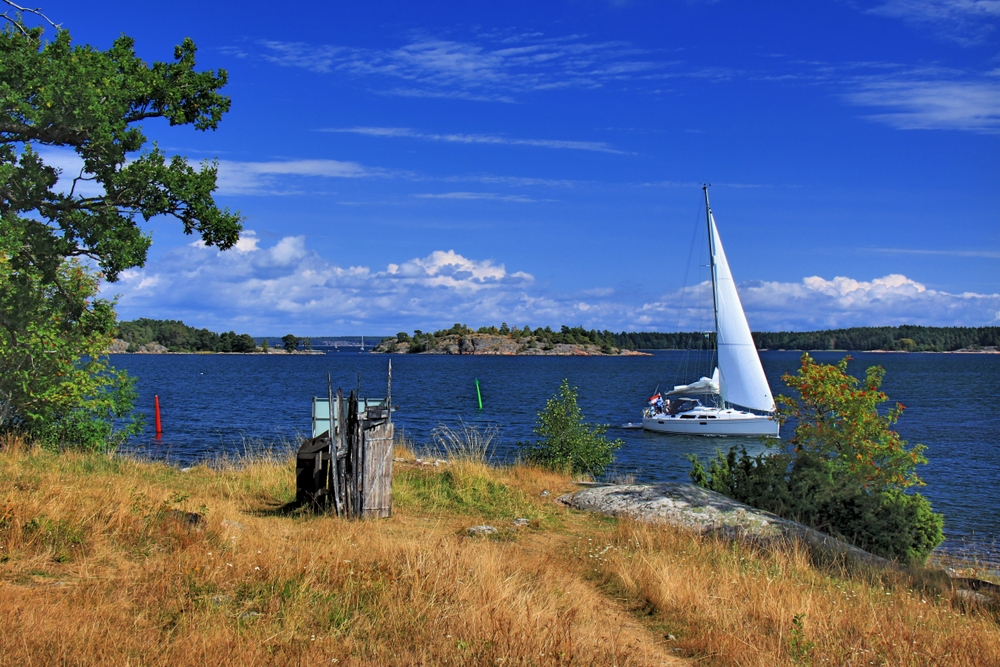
338,463
377,500
332,474
354,458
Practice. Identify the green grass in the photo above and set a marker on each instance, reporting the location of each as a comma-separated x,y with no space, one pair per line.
461,490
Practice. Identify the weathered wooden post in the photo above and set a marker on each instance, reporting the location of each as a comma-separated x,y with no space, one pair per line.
332,448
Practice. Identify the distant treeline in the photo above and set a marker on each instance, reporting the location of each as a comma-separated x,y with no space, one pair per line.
652,340
908,337
179,337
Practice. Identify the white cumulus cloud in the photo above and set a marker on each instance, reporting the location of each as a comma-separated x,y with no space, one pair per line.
288,286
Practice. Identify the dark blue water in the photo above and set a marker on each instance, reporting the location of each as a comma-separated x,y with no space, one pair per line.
214,404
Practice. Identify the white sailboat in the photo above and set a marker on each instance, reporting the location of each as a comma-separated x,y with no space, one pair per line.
739,397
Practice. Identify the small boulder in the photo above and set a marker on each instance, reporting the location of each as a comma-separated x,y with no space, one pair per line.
482,530
545,493
522,522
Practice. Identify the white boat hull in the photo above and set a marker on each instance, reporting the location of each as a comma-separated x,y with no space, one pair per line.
713,422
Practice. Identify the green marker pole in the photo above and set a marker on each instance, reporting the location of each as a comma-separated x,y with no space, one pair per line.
479,396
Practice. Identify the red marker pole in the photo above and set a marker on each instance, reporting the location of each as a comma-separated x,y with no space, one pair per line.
159,426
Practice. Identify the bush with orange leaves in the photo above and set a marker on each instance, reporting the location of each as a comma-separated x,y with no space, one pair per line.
846,471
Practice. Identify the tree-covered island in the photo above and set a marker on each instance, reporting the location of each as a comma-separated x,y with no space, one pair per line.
151,336
506,340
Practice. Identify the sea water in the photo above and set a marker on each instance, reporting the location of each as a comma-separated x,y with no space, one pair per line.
216,404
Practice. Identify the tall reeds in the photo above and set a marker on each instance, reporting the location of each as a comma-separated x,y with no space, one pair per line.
465,443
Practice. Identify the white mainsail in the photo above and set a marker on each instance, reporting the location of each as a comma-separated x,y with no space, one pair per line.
707,386
742,380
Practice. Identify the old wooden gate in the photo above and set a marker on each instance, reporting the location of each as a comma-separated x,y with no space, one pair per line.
346,467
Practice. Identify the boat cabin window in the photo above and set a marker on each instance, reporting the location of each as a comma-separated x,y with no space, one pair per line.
682,405
687,416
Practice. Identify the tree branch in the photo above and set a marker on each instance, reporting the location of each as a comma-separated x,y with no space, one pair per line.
17,22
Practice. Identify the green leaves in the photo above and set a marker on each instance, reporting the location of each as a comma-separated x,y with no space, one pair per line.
837,417
55,382
846,472
566,442
63,95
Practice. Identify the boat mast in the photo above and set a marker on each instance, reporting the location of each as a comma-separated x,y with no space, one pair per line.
715,282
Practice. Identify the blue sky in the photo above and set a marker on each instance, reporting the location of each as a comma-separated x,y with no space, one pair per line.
410,165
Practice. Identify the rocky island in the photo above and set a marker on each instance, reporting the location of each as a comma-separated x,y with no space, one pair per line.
505,341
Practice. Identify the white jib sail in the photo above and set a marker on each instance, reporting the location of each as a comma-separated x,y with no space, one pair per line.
742,378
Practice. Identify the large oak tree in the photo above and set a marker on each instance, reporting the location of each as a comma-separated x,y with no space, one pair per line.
56,97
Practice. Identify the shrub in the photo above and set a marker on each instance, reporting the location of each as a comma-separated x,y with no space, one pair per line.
56,385
566,442
846,472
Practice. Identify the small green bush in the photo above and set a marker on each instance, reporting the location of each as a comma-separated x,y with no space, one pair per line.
566,442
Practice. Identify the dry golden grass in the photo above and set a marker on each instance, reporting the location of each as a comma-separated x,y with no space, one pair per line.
741,605
100,564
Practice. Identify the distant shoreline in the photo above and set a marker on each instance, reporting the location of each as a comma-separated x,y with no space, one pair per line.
624,353
211,352
891,351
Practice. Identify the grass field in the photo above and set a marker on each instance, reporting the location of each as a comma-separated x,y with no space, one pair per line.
109,561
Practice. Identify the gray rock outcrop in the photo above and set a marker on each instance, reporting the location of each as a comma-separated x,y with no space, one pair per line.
692,507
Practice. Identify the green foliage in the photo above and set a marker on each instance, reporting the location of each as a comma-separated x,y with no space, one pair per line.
290,342
55,382
179,337
908,337
421,341
55,93
457,329
566,442
546,338
846,471
799,648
